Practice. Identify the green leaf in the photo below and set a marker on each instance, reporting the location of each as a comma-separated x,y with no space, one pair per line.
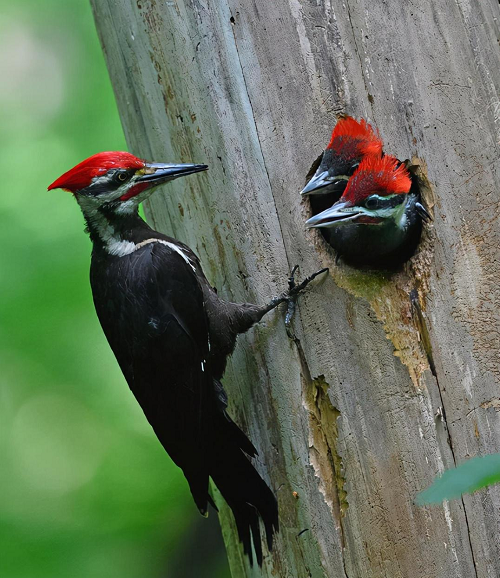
468,477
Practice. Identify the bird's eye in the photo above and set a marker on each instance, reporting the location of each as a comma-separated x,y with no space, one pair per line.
372,203
354,167
121,176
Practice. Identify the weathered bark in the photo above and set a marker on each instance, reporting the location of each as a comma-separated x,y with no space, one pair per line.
379,395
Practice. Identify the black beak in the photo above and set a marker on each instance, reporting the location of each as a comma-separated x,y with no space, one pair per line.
157,173
340,212
323,184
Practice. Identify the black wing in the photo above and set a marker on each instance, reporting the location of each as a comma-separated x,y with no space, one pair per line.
150,306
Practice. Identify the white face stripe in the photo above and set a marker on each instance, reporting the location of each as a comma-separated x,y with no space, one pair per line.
383,197
114,193
114,244
397,213
91,211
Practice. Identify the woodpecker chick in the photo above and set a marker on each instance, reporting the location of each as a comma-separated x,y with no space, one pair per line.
172,334
378,219
351,141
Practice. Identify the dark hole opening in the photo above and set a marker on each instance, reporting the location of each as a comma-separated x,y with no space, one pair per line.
320,203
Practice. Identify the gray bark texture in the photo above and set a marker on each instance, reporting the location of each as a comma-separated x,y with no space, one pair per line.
379,393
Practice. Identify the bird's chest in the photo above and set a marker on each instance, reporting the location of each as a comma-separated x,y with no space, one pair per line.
366,239
125,293
148,296
384,244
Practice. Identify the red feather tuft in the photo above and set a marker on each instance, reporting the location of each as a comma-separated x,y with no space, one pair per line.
377,175
348,128
81,176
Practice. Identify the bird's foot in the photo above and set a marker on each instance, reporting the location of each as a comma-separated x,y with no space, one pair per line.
290,297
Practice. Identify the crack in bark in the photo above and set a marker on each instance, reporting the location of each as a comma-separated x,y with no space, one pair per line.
358,54
421,324
323,420
450,443
425,332
323,455
233,24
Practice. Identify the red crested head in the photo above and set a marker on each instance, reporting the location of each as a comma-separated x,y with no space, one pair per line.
377,176
80,176
358,135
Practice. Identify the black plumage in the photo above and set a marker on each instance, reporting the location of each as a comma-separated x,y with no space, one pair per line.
171,335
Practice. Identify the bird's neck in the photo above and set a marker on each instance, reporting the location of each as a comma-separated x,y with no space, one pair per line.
113,230
385,244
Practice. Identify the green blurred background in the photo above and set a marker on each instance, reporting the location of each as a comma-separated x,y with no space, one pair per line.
85,488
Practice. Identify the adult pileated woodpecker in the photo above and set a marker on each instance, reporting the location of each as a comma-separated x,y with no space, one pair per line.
171,334
378,219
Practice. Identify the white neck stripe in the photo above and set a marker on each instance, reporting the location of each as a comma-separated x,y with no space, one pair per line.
122,248
113,244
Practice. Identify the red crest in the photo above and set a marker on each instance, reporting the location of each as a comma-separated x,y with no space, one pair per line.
82,174
377,175
348,128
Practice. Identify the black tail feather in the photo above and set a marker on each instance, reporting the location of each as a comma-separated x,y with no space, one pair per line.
247,523
244,490
198,484
241,439
255,528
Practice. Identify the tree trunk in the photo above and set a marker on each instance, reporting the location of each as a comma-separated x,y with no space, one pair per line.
392,378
